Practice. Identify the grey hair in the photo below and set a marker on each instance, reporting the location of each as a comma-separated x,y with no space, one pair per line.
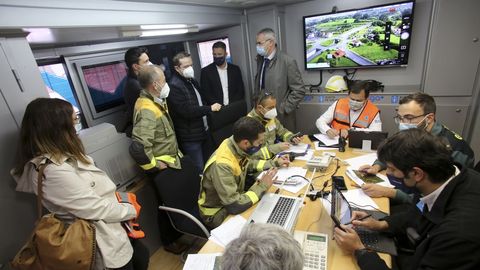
263,247
269,33
148,74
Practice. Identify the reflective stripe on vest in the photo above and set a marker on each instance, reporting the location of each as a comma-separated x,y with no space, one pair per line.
341,116
153,162
207,211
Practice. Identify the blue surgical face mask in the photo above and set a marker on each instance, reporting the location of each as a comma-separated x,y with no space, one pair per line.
261,50
405,126
253,149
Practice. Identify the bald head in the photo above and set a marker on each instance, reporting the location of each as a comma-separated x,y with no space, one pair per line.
152,79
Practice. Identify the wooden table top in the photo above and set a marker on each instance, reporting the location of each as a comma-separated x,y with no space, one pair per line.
313,217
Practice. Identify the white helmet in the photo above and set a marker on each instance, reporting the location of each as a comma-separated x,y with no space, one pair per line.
336,83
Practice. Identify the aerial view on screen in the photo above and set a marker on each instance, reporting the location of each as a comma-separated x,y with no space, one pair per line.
376,36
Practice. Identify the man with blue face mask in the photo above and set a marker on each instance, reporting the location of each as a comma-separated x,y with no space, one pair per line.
221,81
354,111
418,111
442,230
278,73
222,188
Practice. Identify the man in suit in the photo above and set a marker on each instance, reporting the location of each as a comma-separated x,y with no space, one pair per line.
189,114
221,82
278,74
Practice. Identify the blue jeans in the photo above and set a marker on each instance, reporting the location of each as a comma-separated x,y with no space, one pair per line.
195,151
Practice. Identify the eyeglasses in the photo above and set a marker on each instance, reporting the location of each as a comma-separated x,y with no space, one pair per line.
261,43
407,118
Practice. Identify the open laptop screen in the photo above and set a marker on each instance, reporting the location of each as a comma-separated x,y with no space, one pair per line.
340,211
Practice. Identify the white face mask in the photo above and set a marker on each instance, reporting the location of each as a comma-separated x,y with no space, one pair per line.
188,73
78,127
355,105
261,50
271,114
165,91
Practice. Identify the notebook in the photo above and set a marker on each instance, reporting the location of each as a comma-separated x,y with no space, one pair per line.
341,213
277,209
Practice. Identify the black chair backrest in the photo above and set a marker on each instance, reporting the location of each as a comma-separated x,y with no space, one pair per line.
477,167
221,123
179,189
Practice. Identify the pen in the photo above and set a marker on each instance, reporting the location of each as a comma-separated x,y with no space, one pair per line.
360,219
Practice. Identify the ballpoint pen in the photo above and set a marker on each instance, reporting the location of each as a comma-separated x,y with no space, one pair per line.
360,219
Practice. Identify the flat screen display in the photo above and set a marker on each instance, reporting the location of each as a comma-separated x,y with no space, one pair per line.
105,84
378,36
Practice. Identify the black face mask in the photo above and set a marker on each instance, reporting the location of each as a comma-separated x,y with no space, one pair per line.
219,60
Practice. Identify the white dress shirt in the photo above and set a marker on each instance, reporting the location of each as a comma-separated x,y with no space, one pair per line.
223,74
323,122
430,199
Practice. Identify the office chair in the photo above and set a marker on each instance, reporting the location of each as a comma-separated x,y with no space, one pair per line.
221,123
477,167
179,192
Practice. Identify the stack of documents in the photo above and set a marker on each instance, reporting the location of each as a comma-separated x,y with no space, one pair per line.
325,142
225,233
357,162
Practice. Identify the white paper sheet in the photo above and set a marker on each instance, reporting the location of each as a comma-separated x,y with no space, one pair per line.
307,156
284,173
299,148
225,233
357,162
201,261
326,140
357,198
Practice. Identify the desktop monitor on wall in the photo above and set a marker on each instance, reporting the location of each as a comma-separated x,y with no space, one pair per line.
205,51
378,36
103,79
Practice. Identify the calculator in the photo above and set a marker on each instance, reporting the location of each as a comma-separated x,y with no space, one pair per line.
315,248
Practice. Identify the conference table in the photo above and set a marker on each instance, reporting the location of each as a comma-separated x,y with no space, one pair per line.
314,217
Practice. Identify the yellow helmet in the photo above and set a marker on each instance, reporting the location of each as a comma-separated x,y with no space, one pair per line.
336,83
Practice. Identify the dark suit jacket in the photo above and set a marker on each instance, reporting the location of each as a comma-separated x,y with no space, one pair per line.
212,87
130,94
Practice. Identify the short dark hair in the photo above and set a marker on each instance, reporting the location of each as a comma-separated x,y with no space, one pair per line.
357,86
132,55
424,100
178,56
247,128
261,97
418,148
219,44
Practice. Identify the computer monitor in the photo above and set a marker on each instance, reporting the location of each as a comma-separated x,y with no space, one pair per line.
356,138
377,36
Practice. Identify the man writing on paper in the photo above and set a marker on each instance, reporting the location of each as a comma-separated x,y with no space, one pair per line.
223,182
265,112
418,111
354,111
442,229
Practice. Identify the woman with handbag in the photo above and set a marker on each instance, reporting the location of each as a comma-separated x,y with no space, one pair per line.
72,187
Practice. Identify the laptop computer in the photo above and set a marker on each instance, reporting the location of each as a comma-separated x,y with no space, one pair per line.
356,138
341,213
277,209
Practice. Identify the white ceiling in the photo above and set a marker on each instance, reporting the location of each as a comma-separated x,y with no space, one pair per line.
222,3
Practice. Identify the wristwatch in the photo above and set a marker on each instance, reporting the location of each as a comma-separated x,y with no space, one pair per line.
360,252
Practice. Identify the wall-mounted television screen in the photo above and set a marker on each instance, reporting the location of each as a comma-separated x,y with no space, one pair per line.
377,36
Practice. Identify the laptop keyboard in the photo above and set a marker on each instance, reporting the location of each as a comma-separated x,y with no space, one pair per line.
369,239
281,210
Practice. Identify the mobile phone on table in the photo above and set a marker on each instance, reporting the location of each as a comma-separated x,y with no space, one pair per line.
339,182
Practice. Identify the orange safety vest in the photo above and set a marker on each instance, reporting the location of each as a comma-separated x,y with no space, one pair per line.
341,116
